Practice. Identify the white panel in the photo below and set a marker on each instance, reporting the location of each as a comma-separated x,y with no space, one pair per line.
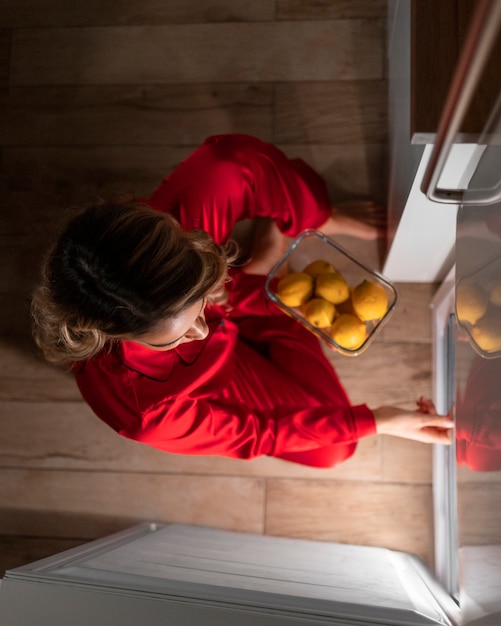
423,247
179,574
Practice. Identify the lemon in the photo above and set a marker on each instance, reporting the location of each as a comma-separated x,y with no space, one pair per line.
495,293
332,286
471,302
487,333
369,300
295,289
319,312
317,267
348,331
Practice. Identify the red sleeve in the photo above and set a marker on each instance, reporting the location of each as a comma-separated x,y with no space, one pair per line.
236,177
200,427
154,412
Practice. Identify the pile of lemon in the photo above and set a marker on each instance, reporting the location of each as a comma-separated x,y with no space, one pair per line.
480,310
329,303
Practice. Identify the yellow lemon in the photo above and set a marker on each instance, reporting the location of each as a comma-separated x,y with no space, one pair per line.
471,302
295,288
487,333
319,312
332,286
495,293
370,301
317,267
348,331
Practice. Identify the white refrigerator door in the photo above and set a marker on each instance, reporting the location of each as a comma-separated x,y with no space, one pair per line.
177,574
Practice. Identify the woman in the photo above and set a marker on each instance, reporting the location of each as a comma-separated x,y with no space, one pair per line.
172,349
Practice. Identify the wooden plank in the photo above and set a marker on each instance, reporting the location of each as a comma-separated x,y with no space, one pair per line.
15,315
67,435
18,551
20,257
41,182
333,112
38,184
411,319
406,461
350,170
387,373
5,42
128,115
328,10
24,376
216,52
93,504
27,13
394,516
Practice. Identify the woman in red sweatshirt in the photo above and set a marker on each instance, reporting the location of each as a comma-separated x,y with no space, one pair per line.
173,347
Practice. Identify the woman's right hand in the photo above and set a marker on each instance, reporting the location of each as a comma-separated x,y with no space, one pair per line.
421,425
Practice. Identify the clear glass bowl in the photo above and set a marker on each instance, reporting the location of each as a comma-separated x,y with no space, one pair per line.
310,246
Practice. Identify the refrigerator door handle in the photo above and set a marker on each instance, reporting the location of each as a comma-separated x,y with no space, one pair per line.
475,53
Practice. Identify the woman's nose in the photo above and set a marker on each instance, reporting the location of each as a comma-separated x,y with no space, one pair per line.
199,330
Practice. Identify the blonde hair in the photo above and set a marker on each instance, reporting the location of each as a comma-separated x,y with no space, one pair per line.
117,270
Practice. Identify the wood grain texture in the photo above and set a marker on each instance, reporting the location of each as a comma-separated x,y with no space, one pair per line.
344,112
198,53
387,373
42,184
406,461
67,435
389,515
62,503
38,181
27,13
350,170
134,114
27,378
329,10
411,319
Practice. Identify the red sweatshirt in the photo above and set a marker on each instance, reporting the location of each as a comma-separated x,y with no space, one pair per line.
259,384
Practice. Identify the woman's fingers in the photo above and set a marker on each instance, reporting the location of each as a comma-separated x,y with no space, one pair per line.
437,435
437,421
435,429
425,405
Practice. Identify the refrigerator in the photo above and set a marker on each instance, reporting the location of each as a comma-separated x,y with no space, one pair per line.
467,343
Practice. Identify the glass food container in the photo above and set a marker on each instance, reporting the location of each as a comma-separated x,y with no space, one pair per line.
483,331
309,246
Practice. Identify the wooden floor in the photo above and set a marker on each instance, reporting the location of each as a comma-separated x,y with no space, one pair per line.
104,97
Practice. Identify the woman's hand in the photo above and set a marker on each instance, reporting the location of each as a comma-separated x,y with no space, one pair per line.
421,425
